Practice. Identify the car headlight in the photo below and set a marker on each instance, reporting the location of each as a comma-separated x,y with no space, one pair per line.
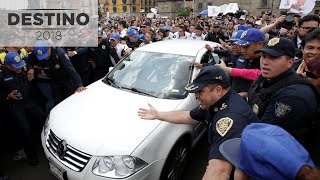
117,166
46,127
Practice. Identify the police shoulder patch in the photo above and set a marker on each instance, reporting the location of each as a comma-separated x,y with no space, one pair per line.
282,109
223,125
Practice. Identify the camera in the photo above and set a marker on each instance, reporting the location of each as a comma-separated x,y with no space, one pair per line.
288,22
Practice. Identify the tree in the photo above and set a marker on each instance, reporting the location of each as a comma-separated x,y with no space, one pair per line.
185,11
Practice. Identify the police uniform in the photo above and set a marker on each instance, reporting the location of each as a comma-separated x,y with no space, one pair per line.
240,84
56,77
20,109
287,100
101,58
215,36
82,63
226,118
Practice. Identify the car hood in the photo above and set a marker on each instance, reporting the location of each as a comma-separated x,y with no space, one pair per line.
103,120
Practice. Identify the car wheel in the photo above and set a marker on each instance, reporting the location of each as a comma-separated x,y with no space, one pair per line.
176,161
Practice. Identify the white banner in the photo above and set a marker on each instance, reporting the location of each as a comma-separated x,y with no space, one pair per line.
213,11
298,6
231,8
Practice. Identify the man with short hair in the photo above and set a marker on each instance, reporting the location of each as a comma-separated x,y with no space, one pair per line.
119,48
122,29
250,41
222,109
216,35
279,96
305,25
133,40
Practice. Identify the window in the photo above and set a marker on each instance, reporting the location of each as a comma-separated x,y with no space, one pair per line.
178,6
124,8
209,3
134,8
124,1
264,3
200,6
114,1
114,9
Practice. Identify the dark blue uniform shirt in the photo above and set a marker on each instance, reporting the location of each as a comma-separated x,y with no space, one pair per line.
225,120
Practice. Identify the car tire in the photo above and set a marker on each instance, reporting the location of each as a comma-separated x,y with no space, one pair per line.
176,161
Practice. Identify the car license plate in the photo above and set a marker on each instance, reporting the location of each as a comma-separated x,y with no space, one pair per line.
57,171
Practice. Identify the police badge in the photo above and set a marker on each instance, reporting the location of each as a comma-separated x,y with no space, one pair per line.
243,34
273,41
17,58
255,109
57,66
282,109
39,52
223,125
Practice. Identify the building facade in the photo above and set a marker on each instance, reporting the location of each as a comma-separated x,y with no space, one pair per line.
168,8
128,6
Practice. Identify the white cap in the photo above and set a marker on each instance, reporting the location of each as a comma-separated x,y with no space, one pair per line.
243,17
259,23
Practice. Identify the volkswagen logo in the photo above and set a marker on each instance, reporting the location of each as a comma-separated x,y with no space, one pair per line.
62,149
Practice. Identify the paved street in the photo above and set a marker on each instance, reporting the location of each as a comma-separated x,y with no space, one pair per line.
19,170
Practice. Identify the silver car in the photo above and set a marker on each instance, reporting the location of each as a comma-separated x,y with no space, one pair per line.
97,134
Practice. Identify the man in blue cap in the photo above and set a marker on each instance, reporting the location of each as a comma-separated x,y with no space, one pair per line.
266,151
133,40
222,109
280,96
54,73
119,48
250,41
19,103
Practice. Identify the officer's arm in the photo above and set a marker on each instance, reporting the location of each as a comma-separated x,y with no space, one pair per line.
179,117
113,53
82,50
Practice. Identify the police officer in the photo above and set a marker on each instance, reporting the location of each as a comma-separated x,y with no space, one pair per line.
250,41
216,35
281,97
15,92
101,57
82,64
54,73
221,108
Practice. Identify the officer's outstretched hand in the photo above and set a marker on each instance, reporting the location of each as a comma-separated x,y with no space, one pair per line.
149,114
81,88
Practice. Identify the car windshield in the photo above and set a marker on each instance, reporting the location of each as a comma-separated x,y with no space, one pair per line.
153,74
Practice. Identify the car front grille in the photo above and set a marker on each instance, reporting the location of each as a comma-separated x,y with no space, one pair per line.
72,158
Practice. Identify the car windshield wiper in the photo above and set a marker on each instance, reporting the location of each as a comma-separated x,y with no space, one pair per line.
110,82
137,91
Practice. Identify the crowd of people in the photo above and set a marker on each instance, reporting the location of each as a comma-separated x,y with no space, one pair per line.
269,74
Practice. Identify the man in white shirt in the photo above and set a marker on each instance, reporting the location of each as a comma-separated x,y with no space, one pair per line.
122,28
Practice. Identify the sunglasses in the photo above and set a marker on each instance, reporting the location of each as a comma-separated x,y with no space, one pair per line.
310,74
